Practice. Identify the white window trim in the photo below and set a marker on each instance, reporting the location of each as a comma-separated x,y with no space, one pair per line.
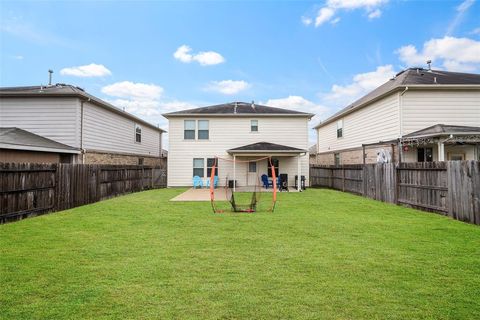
194,130
135,133
198,130
340,127
258,127
203,167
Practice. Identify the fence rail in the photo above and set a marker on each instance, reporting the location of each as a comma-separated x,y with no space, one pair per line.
451,188
32,189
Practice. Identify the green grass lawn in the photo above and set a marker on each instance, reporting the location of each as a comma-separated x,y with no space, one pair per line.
321,254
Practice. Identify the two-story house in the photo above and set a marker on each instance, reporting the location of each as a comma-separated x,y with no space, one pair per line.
237,131
90,129
418,115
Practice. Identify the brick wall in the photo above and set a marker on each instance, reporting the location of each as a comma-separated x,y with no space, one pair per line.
114,158
354,156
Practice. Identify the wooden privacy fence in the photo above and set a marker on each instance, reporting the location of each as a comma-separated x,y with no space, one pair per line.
32,189
451,188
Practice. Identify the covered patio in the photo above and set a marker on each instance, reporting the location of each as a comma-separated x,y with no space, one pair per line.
250,162
441,143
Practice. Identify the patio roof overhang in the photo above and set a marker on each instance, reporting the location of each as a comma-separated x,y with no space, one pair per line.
266,148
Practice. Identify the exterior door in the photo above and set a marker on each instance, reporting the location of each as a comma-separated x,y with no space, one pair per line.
252,176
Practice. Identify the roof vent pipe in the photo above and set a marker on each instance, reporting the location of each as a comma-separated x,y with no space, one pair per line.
235,108
435,80
253,104
429,63
50,71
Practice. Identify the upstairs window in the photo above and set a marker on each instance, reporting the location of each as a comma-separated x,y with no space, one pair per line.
210,162
198,165
203,130
138,134
254,125
340,128
189,130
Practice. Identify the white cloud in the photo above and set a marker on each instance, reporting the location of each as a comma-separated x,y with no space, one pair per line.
205,58
138,91
461,10
335,21
18,57
182,54
139,107
355,4
144,101
307,21
332,7
299,103
324,15
362,83
375,14
228,87
454,54
90,70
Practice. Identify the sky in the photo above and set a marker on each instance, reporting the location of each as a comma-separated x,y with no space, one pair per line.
152,57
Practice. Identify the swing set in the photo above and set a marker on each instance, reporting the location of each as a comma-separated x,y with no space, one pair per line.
244,201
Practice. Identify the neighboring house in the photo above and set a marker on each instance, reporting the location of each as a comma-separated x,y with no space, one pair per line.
18,146
419,115
70,116
312,151
240,131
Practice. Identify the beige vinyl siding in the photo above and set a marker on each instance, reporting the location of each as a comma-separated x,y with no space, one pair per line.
377,122
54,118
104,130
231,132
424,108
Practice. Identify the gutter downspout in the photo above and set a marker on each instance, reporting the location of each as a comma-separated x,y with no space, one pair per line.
400,114
81,129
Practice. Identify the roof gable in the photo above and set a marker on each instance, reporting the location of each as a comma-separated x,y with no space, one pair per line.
66,90
409,77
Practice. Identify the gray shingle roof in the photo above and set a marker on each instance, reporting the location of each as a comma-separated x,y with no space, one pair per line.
443,129
410,77
266,147
15,138
67,90
238,108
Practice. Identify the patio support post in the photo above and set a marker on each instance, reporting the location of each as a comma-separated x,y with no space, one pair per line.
299,179
441,151
234,173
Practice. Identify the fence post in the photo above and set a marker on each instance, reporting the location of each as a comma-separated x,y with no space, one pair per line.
98,174
343,179
364,178
56,189
151,178
396,175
